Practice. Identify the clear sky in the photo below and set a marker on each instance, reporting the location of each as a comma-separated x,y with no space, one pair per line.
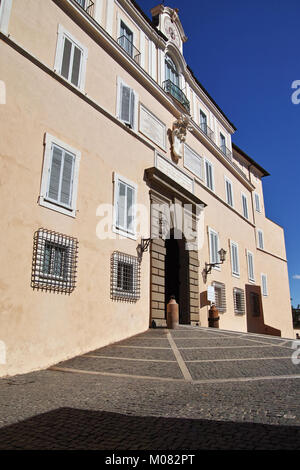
246,53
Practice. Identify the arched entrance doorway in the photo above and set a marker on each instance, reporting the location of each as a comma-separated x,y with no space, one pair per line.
177,274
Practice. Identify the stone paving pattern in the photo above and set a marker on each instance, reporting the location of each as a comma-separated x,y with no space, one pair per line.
118,410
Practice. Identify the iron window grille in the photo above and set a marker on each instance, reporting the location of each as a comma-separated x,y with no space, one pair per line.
239,301
54,263
125,277
220,296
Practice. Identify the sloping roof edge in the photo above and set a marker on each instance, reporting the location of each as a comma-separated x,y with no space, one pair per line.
250,160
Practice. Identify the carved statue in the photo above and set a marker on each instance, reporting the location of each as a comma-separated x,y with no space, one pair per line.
179,130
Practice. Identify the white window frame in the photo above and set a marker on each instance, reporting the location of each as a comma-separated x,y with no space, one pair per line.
62,33
119,230
5,10
244,197
212,260
44,201
228,181
238,271
249,255
264,285
257,202
259,231
212,174
120,83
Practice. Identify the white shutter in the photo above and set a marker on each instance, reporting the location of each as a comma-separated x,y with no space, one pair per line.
264,285
121,206
66,59
235,259
132,108
130,209
214,246
76,66
245,206
250,266
260,239
55,172
209,175
67,180
125,104
229,193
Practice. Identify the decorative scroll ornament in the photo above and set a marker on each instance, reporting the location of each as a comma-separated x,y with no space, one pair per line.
180,127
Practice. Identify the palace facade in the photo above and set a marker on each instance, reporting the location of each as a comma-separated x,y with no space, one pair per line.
120,186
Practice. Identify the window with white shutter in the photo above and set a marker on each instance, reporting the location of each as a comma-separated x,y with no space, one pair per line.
235,258
229,192
124,206
257,202
250,264
127,105
260,239
264,285
213,246
245,206
60,176
71,58
209,175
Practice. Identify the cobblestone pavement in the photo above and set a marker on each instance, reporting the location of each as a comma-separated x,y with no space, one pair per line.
190,388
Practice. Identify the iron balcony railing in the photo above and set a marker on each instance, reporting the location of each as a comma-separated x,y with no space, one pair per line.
87,5
207,130
128,47
178,94
226,152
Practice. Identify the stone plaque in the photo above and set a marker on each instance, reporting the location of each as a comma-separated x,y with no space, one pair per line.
174,173
152,127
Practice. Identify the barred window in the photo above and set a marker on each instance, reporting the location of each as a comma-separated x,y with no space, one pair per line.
125,277
220,296
239,301
54,262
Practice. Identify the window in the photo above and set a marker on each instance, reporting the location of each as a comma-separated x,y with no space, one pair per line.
125,277
250,264
171,72
5,11
71,58
213,246
60,176
257,202
260,237
54,261
222,143
229,192
203,122
220,296
126,39
239,301
127,105
264,285
235,258
209,175
245,206
124,206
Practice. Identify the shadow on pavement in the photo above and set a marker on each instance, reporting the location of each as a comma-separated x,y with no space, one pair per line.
73,429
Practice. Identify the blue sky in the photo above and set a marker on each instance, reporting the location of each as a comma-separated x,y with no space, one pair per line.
247,55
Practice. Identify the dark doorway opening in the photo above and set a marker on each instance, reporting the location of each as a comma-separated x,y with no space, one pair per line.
177,274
